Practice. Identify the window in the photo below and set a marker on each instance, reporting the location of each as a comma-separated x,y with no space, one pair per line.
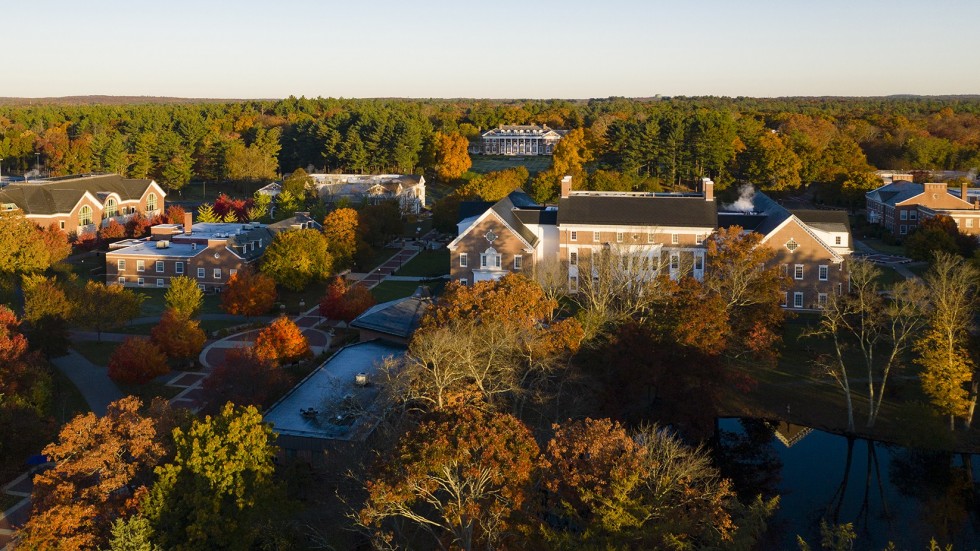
159,282
490,259
798,271
675,239
139,281
784,270
573,236
200,273
650,237
797,300
837,240
698,262
699,239
159,266
179,267
619,237
85,215
463,260
62,224
821,300
232,272
462,281
217,273
121,281
596,236
573,283
121,264
785,299
573,258
110,208
903,215
903,229
969,222
151,201
140,265
792,245
822,272
913,215
518,262
675,261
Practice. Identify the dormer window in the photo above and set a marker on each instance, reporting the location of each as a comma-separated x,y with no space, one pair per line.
792,245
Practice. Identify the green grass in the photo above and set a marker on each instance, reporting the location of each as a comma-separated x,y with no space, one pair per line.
155,303
208,326
95,351
8,501
391,290
411,228
486,163
207,192
379,258
428,263
150,390
310,296
66,400
889,277
882,247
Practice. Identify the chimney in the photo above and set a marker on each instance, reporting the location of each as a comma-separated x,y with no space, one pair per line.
188,221
566,186
963,195
708,188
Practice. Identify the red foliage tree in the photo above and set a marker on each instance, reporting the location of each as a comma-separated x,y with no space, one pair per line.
244,379
112,230
281,342
175,214
345,302
137,226
249,294
238,207
178,336
137,361
13,345
56,241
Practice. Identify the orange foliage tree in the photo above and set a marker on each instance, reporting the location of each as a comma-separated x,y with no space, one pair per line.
112,230
281,342
137,360
178,336
464,476
340,229
102,468
249,294
452,159
245,380
175,214
345,302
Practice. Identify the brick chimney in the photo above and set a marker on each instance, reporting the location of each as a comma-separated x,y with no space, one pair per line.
566,186
708,188
188,221
963,195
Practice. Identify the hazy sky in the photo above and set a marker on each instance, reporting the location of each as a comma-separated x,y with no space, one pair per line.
497,48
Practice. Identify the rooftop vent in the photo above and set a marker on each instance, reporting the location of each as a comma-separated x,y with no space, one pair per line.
163,244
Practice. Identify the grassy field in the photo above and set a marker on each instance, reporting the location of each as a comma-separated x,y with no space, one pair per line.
889,277
391,290
483,164
428,263
66,401
881,247
207,192
95,351
154,304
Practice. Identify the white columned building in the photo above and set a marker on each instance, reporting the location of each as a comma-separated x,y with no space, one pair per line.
520,140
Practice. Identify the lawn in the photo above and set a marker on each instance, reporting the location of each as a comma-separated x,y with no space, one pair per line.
155,304
881,247
310,297
489,163
208,326
95,351
150,390
207,192
379,258
427,263
391,290
889,277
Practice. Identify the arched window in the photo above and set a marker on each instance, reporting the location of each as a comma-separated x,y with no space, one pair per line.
151,201
85,215
110,208
490,259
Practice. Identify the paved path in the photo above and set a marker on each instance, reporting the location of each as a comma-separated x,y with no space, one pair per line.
18,513
900,267
92,380
202,317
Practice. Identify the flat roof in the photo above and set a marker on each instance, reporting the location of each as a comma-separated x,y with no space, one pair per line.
149,248
313,408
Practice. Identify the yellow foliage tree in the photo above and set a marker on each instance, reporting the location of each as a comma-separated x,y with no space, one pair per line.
452,159
340,229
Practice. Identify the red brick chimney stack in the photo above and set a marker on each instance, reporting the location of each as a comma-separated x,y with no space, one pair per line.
188,221
963,195
566,186
708,188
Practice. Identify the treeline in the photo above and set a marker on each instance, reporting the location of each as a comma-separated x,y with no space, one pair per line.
775,143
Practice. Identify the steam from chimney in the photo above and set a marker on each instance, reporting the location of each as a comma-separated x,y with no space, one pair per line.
745,202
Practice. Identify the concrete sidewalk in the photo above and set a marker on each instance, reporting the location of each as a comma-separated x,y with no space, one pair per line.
92,381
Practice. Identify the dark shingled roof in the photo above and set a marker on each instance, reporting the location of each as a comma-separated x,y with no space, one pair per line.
506,208
638,210
469,209
744,220
60,196
399,318
539,216
828,220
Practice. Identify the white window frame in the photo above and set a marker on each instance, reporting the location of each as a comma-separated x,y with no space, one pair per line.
518,262
573,283
698,262
160,267
178,267
140,265
785,299
798,299
821,300
573,258
913,215
597,236
121,280
837,240
903,215
619,237
463,260
797,271
232,272
201,273
969,223
699,239
121,264
675,261
216,273
159,282
462,281
139,281
573,235
823,272
675,239
62,224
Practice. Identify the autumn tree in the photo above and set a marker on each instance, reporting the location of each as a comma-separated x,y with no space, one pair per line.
184,296
206,214
345,302
24,248
178,336
137,226
299,183
868,333
244,379
571,154
462,477
771,165
48,310
101,307
947,365
175,214
102,467
112,230
218,492
248,294
494,186
281,342
340,229
296,258
137,360
451,156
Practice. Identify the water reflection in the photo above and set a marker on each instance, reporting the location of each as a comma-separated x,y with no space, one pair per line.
890,493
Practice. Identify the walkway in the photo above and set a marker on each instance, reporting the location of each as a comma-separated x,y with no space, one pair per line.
897,263
410,249
92,380
18,513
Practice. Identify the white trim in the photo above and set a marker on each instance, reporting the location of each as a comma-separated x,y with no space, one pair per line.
792,218
452,244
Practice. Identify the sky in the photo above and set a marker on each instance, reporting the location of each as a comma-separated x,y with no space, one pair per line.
490,49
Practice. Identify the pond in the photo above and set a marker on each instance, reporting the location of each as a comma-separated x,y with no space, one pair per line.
889,492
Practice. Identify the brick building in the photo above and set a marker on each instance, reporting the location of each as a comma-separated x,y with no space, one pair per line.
900,206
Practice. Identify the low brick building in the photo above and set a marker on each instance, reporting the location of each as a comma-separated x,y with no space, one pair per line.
900,206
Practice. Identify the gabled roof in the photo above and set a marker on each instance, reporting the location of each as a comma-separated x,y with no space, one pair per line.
399,318
61,196
826,220
895,192
768,216
646,209
506,211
